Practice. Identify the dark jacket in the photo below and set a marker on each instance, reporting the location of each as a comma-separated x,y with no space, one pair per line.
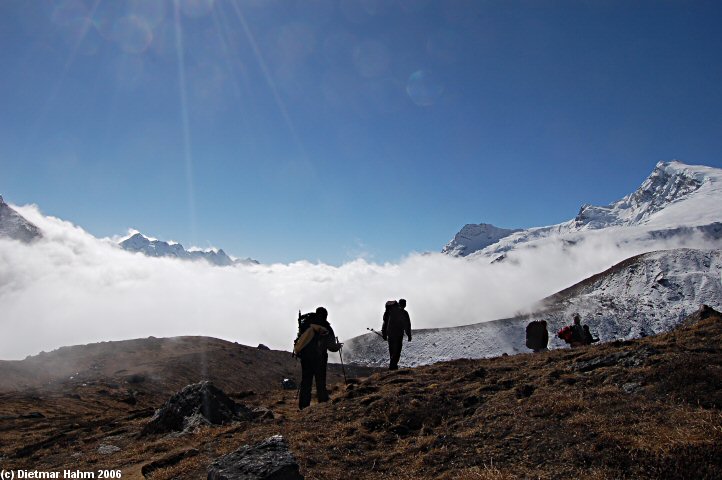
396,322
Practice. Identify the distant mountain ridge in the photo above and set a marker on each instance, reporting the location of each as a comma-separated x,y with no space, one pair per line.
646,294
674,195
157,248
15,226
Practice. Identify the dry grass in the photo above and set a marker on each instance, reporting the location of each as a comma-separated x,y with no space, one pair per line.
653,412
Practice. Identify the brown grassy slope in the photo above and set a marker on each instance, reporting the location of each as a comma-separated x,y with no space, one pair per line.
648,408
76,398
641,409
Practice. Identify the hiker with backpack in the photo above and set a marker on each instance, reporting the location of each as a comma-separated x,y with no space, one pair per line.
577,335
396,323
315,339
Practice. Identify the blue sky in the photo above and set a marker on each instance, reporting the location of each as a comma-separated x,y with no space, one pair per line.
327,130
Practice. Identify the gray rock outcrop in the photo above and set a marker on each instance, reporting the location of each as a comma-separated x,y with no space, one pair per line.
268,460
196,405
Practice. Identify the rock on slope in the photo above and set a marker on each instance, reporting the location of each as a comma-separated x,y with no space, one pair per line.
643,295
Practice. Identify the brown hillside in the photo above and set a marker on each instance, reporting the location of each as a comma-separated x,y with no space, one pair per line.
647,408
161,365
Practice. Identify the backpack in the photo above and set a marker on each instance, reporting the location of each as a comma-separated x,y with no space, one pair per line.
312,338
537,337
304,321
566,334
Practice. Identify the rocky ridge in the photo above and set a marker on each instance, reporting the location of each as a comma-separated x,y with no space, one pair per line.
14,226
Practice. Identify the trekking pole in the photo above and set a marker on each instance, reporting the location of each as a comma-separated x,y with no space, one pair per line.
377,333
340,355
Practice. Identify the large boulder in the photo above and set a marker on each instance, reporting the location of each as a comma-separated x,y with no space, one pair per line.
268,460
197,404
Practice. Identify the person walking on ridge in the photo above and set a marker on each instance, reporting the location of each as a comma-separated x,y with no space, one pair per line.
396,323
315,339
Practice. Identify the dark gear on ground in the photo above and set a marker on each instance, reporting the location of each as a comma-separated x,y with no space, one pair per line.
588,337
537,336
315,339
397,323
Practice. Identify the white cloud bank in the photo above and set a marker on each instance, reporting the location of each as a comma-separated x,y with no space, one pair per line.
72,288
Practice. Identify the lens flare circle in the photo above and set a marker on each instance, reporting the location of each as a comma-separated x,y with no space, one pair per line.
423,88
133,34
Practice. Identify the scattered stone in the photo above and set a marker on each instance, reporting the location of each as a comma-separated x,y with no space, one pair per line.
289,384
108,449
196,405
631,387
263,413
262,347
268,460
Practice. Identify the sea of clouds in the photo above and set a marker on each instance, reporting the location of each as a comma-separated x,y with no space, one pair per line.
71,288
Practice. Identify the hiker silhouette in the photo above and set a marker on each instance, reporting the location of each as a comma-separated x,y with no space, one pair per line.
577,335
315,339
396,323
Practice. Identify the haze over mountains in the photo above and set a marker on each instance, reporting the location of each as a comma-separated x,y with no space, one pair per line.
68,287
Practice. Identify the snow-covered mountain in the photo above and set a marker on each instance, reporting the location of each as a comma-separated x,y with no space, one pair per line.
678,205
15,226
474,237
643,295
138,242
673,201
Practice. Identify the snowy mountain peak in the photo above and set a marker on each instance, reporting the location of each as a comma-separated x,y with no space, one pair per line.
668,183
15,226
139,243
474,237
674,195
